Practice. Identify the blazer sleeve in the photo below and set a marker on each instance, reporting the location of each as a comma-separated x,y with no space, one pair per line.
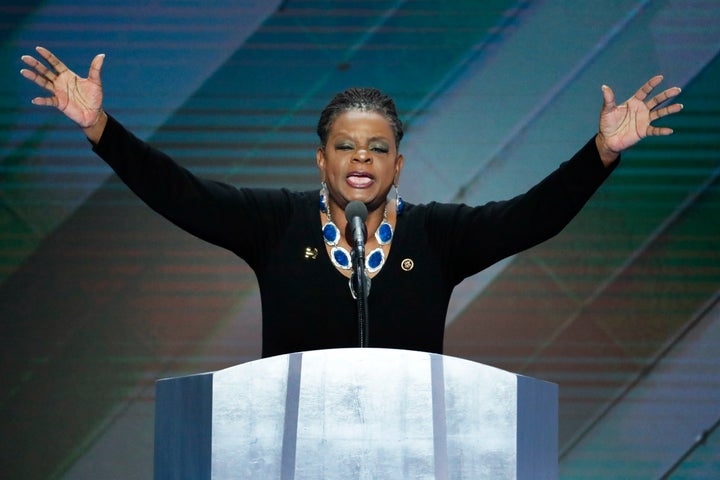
242,220
473,238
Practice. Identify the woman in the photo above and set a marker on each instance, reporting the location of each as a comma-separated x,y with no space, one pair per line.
296,242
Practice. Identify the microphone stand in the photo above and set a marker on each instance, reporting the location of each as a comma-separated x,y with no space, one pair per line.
361,289
356,213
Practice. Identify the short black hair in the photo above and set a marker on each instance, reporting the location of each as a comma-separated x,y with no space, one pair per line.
363,99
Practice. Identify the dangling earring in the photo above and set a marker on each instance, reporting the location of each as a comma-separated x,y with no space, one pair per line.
330,231
323,198
399,203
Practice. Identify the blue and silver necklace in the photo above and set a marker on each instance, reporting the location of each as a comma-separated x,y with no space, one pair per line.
340,257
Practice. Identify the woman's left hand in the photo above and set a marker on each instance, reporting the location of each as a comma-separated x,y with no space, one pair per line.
624,125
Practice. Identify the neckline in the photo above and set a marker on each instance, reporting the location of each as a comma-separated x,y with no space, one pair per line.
319,222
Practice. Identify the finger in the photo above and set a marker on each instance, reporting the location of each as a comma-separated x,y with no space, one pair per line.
39,80
96,67
648,87
658,131
45,101
29,60
52,59
608,98
662,112
38,66
663,97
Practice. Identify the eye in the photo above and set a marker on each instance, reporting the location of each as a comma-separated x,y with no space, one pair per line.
344,146
379,148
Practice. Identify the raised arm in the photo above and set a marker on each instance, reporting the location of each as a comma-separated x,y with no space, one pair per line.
624,125
80,99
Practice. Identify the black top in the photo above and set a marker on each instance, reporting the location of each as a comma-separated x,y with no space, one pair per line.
306,302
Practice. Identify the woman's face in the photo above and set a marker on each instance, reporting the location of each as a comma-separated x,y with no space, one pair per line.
360,160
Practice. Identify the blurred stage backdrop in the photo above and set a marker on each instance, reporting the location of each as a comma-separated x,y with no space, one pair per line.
99,297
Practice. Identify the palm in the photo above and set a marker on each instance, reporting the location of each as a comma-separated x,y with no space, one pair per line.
622,126
80,99
625,125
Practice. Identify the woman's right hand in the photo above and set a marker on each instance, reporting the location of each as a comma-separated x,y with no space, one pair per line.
80,99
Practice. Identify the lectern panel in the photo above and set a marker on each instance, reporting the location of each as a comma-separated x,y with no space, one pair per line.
357,414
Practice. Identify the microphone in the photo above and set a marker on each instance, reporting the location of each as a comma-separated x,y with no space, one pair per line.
356,213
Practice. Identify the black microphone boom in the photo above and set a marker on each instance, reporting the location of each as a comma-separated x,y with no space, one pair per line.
356,213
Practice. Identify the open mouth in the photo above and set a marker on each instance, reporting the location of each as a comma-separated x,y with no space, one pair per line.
360,179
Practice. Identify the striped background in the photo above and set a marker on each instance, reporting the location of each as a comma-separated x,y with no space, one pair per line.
99,297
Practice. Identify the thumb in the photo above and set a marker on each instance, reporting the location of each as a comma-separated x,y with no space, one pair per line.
95,68
608,98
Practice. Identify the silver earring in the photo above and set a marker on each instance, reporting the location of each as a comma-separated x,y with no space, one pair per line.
323,197
399,203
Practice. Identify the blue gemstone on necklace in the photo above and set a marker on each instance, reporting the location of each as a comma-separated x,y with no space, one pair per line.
331,233
341,257
384,233
375,260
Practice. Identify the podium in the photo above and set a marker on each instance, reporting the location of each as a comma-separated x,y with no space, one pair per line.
356,413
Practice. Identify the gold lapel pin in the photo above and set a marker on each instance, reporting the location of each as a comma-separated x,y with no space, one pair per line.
407,264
